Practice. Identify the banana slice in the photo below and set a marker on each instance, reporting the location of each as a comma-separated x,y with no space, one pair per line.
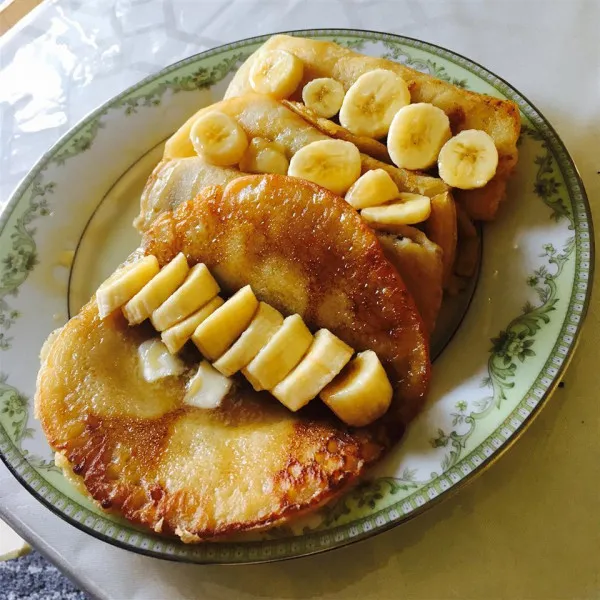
157,290
198,288
218,332
207,388
372,189
276,73
417,134
407,210
157,362
468,160
325,358
176,336
124,284
372,101
219,139
332,164
280,355
263,156
265,323
361,393
324,95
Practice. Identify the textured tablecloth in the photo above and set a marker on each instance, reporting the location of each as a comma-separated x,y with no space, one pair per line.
530,526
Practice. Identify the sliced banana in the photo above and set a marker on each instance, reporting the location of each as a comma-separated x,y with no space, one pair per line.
124,284
372,101
265,323
417,134
325,358
218,332
198,288
332,164
324,95
280,355
207,388
408,209
263,156
176,336
361,393
468,160
372,189
157,290
276,73
156,362
219,139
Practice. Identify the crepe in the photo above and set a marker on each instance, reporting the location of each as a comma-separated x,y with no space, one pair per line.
145,455
465,109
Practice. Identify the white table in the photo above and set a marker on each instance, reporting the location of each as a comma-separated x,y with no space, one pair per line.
68,57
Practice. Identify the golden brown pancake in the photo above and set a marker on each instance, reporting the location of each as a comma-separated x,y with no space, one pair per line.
144,454
261,116
465,109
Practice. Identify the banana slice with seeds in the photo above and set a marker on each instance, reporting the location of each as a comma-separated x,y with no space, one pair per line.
263,156
276,73
324,95
468,160
417,134
280,355
332,164
372,189
198,288
176,336
409,209
218,332
124,284
157,290
325,358
265,323
361,393
372,101
219,139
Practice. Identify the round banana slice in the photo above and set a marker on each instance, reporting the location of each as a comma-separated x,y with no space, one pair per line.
219,139
276,73
417,134
332,164
468,160
372,189
263,156
361,393
372,101
409,209
324,95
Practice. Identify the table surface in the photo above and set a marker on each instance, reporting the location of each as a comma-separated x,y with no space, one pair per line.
485,542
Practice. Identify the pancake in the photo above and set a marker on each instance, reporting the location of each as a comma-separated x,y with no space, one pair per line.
199,474
465,109
262,116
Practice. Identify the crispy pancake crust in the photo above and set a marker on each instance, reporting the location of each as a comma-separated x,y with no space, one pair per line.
142,453
304,250
465,109
251,463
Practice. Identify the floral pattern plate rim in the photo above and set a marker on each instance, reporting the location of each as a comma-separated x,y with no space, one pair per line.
530,303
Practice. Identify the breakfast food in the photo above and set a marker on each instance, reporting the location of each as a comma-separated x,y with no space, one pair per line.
269,339
465,109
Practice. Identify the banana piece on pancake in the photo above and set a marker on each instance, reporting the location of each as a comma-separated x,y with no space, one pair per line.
420,264
262,116
465,109
144,454
304,250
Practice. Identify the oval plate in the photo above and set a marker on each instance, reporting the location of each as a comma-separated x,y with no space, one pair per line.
490,381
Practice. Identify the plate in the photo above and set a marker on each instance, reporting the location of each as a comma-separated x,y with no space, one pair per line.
69,225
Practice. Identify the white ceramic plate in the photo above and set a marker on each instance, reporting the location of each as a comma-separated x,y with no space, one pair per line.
488,383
